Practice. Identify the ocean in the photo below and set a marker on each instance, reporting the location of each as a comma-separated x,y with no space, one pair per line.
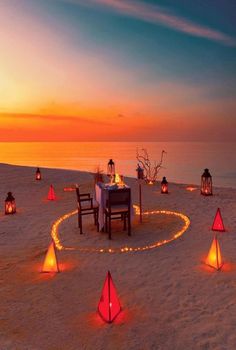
183,162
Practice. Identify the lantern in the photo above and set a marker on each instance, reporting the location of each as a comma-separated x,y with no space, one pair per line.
214,258
10,204
109,305
110,168
38,175
218,224
164,185
140,172
50,262
206,183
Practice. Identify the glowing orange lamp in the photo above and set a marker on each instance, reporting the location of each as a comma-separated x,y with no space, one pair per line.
109,305
164,185
206,183
10,204
218,224
38,175
50,262
51,194
214,258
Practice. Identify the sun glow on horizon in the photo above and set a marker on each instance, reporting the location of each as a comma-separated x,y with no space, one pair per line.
64,79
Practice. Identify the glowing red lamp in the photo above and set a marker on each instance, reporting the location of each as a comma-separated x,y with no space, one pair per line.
109,305
110,168
218,224
38,175
51,194
214,258
206,183
50,262
10,204
164,186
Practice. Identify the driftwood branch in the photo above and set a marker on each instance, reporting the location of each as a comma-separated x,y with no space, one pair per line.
150,170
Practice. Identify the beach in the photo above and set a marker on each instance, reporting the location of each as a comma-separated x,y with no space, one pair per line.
170,299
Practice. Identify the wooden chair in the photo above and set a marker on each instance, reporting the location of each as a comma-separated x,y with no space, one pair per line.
118,207
86,206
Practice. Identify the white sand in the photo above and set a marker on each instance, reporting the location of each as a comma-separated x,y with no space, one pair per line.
170,299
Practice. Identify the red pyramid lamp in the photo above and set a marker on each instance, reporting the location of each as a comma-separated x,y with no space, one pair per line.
214,258
218,224
10,204
110,168
164,185
109,305
206,183
51,194
38,175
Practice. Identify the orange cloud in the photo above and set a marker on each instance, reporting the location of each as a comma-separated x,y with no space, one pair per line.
18,117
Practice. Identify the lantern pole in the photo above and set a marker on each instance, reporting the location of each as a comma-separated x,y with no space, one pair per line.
140,177
140,202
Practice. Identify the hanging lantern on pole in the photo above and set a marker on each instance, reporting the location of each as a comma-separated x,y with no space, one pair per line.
206,183
110,168
164,185
38,175
140,172
10,204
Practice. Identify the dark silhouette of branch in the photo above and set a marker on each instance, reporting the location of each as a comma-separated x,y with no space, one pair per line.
150,171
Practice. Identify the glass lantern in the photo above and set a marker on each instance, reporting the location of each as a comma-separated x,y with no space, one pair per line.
10,204
164,185
206,183
38,175
110,168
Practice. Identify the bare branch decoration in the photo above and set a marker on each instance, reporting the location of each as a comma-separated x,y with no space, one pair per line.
150,170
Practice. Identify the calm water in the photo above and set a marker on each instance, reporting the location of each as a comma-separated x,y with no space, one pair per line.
183,163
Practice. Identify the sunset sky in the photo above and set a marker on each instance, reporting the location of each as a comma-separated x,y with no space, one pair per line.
89,70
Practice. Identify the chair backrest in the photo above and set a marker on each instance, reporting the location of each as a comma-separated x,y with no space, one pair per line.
119,197
77,193
82,198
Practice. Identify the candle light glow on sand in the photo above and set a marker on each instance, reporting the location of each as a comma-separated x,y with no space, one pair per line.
125,249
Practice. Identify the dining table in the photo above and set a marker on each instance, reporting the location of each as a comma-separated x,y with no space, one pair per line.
101,195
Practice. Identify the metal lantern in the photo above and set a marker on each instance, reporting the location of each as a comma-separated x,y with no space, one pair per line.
10,204
38,175
206,183
164,185
140,173
110,168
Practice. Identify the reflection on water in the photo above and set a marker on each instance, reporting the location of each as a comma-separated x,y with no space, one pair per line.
184,161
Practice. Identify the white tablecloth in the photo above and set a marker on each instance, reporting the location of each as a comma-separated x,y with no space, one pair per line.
101,193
